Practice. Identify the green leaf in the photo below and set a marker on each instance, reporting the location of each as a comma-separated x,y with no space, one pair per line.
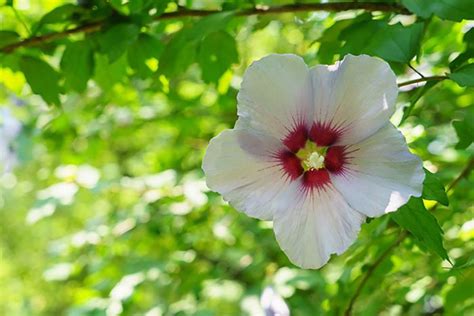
180,51
178,55
415,218
136,6
464,263
115,41
145,47
218,51
415,98
461,59
61,14
42,78
464,130
77,65
107,74
464,76
8,37
464,57
433,189
210,24
330,43
395,43
454,10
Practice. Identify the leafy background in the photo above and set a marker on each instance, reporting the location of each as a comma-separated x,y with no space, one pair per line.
107,212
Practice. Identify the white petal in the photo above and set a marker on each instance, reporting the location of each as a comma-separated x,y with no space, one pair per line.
381,175
358,95
316,226
275,94
238,165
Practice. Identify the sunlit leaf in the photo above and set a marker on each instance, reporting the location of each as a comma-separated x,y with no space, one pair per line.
105,74
145,47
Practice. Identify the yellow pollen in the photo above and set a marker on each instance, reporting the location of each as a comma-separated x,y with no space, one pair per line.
312,156
314,161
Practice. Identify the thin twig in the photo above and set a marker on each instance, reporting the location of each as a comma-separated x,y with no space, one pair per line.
181,13
371,270
463,174
414,69
433,78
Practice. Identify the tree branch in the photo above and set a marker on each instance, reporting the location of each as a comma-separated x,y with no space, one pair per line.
181,13
433,78
463,174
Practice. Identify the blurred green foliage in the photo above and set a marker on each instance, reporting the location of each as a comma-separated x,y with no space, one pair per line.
107,212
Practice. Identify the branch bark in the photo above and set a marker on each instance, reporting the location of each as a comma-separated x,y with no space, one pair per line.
182,13
463,174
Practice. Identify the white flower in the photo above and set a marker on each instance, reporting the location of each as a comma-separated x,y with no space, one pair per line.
314,151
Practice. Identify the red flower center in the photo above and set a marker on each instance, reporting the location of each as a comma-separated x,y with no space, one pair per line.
297,160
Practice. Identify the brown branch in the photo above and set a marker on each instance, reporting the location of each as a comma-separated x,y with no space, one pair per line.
463,174
433,78
181,13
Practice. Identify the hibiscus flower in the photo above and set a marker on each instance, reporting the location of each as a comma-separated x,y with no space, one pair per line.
313,151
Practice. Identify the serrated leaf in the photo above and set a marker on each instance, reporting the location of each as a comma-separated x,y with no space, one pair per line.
77,65
415,218
464,76
145,47
465,131
454,10
115,41
396,43
42,78
433,189
217,52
